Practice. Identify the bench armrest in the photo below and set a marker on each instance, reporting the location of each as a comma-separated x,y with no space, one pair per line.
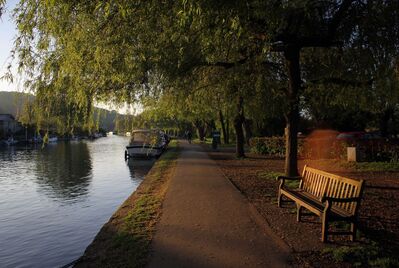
288,178
339,200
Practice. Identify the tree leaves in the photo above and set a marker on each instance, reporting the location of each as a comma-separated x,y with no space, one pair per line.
199,55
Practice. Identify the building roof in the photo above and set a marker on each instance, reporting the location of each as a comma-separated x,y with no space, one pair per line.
7,117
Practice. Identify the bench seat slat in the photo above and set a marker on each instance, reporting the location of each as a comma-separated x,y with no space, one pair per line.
310,202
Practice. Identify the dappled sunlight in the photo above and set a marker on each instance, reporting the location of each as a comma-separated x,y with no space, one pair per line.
262,87
319,144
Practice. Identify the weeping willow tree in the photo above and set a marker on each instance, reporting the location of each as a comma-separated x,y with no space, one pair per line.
122,51
71,56
80,52
2,3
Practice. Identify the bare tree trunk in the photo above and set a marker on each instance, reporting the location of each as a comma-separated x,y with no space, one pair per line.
292,116
238,122
221,118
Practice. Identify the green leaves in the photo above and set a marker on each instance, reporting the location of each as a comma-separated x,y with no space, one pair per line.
193,57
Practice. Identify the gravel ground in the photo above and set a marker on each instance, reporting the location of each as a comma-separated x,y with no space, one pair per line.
379,216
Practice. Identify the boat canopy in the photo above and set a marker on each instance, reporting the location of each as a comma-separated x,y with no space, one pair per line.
145,137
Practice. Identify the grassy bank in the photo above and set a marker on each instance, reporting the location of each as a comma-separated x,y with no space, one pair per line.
125,240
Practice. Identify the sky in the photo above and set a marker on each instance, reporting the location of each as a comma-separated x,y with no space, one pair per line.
7,36
8,32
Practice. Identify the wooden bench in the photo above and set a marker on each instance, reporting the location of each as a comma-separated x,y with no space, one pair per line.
331,197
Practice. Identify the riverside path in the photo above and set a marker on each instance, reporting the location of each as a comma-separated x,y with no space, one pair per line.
206,222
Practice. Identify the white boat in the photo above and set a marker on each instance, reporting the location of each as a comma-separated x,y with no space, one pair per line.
10,141
36,139
52,139
98,135
145,143
74,138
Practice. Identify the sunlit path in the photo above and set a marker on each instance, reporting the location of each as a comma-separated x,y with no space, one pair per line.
206,222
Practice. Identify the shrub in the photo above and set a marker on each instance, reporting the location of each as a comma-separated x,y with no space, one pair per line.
329,148
272,146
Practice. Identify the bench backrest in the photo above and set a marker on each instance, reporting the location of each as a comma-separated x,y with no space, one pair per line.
320,183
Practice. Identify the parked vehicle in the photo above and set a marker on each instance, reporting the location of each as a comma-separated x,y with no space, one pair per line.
358,135
353,135
146,143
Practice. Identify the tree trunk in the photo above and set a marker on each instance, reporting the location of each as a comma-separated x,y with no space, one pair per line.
292,116
201,133
221,118
201,129
227,131
384,122
248,130
238,122
209,127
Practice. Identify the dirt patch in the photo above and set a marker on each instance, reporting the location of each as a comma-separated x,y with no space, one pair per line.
379,216
125,239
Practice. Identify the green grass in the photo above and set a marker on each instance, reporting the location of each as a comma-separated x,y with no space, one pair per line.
208,141
370,255
271,175
372,166
130,243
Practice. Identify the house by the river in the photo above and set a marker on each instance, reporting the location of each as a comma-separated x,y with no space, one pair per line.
8,125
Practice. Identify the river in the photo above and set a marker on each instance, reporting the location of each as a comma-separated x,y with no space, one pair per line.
54,200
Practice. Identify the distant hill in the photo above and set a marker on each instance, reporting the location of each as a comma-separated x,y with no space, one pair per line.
12,103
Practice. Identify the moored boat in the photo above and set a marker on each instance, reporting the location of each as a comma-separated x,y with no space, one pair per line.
145,143
52,139
10,141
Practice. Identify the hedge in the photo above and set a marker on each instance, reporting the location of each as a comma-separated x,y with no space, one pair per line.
328,148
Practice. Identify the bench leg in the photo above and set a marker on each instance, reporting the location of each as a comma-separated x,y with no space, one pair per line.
353,231
298,212
324,228
279,199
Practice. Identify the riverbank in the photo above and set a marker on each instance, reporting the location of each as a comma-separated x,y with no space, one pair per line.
124,240
378,239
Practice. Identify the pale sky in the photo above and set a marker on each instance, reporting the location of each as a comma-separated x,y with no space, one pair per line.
8,32
7,36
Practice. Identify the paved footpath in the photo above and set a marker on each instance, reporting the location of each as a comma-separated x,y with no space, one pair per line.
206,222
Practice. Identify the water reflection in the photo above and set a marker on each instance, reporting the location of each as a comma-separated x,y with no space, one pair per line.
54,200
139,167
64,171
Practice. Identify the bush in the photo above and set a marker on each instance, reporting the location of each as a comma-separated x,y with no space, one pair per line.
272,146
329,148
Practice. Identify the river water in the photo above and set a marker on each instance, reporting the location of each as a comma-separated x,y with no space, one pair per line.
54,200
